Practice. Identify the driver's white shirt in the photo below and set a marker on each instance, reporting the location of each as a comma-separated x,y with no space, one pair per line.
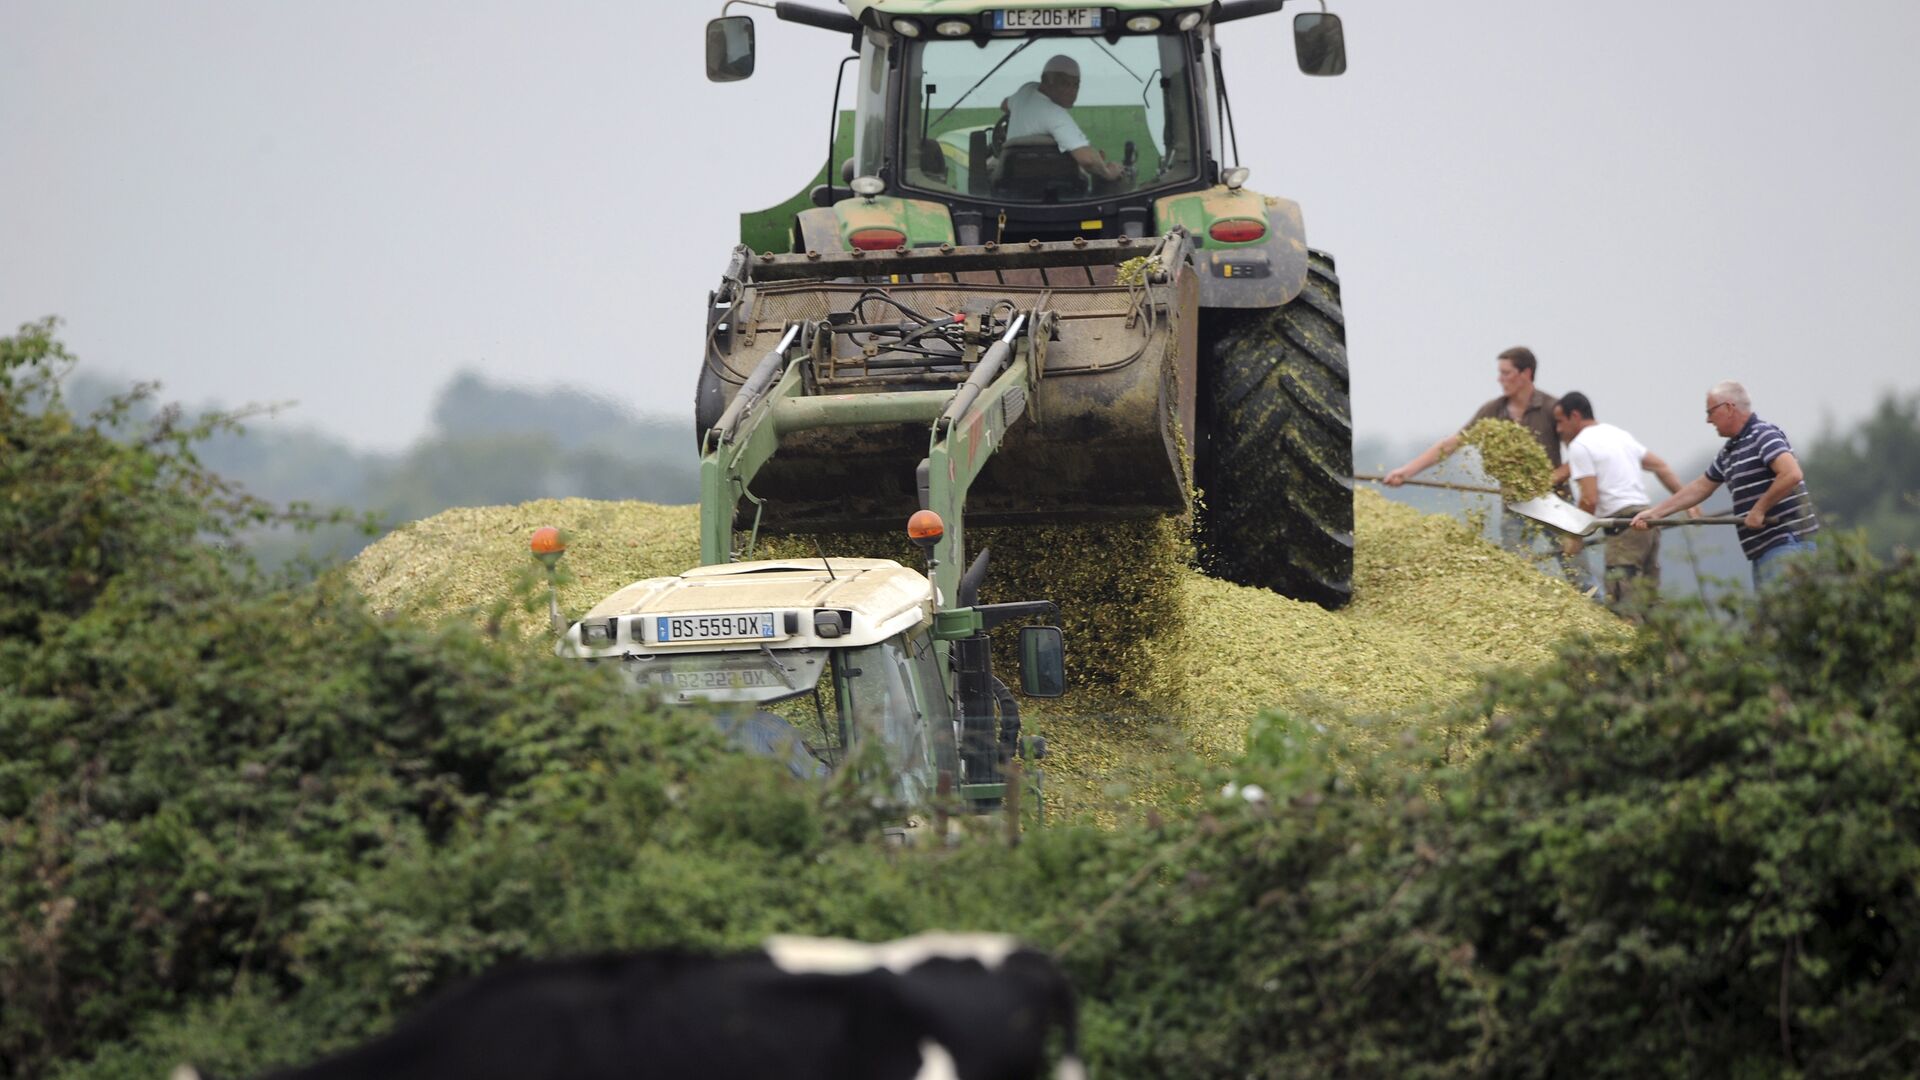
1030,112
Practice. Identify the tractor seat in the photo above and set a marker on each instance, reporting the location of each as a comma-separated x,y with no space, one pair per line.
1032,168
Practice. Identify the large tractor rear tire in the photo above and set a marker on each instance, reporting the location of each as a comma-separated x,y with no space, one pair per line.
1276,467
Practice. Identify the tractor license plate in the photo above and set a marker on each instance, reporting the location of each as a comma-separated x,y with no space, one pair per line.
1047,19
674,629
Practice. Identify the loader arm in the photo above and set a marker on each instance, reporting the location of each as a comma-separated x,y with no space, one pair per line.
966,425
965,436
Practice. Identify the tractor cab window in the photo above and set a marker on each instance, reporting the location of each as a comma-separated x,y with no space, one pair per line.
1038,120
877,684
869,143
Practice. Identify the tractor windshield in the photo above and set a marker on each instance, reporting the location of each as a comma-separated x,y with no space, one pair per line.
1035,120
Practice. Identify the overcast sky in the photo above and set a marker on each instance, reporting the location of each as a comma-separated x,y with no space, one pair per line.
344,203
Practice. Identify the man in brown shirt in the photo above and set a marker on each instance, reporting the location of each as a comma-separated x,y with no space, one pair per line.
1524,404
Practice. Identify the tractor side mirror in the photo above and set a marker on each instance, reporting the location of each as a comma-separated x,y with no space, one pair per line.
1043,661
729,48
1319,44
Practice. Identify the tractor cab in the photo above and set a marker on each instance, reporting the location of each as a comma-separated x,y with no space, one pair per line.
805,660
1030,122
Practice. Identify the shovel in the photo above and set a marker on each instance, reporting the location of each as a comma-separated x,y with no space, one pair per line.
1554,511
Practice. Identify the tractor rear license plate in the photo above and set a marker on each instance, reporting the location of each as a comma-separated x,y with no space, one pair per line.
1047,19
674,629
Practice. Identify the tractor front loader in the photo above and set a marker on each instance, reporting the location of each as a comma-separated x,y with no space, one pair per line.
970,384
1178,331
907,657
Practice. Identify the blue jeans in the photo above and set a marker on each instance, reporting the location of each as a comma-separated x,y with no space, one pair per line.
1773,561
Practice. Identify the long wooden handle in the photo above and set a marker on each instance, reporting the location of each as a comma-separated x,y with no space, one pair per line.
1669,522
1432,484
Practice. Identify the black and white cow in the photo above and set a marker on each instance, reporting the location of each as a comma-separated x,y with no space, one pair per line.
930,1007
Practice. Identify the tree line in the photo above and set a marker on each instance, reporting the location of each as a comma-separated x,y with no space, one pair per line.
487,444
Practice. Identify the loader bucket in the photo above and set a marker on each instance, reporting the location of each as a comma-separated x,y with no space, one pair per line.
1100,438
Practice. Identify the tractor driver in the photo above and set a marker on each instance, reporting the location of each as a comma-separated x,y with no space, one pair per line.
1041,109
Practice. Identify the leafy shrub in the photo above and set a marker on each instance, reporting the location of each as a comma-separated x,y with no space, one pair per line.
1698,857
212,780
1705,859
83,510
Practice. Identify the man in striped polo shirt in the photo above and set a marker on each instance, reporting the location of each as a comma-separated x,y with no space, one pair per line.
1759,469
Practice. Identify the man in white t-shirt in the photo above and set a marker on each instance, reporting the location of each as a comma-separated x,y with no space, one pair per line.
1041,109
1604,464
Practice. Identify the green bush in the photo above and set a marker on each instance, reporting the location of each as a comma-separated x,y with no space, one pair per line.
213,781
1698,857
1705,858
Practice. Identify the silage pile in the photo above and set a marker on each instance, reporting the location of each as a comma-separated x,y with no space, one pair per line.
1434,605
468,562
1163,659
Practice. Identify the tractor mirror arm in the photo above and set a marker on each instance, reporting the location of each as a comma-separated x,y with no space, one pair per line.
813,16
962,623
1235,9
992,615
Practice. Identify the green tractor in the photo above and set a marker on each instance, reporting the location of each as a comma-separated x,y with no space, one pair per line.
1058,186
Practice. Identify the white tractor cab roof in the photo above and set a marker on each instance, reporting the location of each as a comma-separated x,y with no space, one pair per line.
782,604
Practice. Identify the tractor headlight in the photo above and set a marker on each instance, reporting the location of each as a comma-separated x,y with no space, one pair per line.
596,634
953,28
1188,21
906,28
1144,24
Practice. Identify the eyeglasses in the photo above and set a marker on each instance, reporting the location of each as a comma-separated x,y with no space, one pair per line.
1711,409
